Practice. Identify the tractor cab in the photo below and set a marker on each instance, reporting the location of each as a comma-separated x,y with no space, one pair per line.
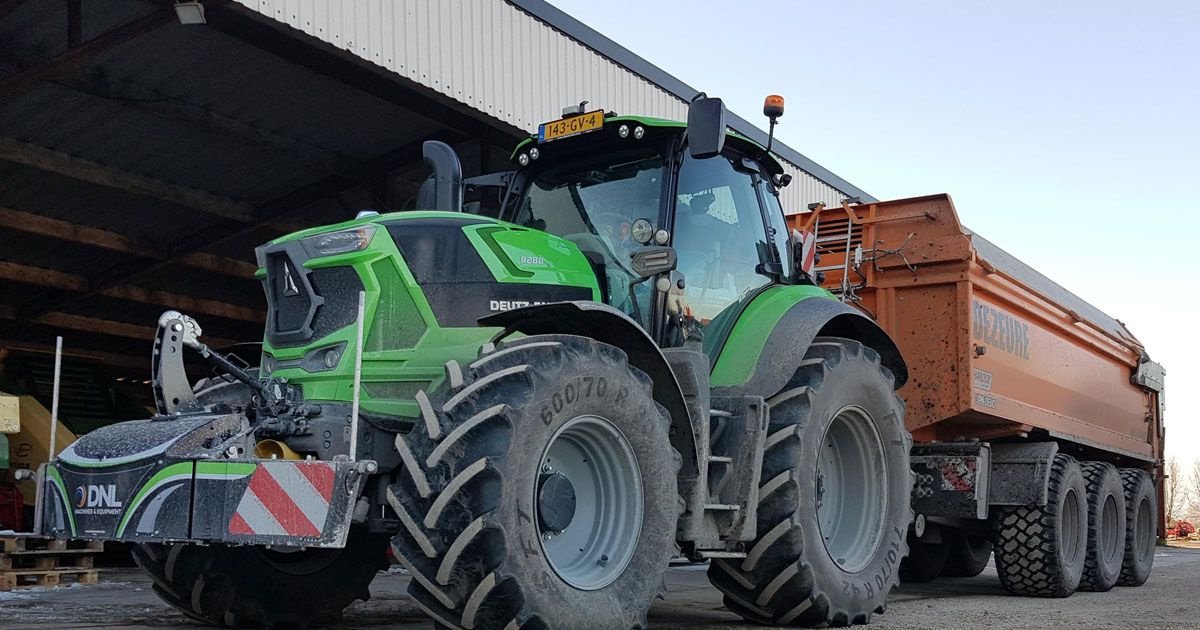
619,185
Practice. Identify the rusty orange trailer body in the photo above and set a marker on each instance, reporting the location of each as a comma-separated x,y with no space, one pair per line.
995,349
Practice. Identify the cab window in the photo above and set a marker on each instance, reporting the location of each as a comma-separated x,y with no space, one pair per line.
720,238
777,226
593,203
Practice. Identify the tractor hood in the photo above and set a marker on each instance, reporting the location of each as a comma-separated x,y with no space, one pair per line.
428,277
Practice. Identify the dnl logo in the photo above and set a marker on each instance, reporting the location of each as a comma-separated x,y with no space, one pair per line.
97,496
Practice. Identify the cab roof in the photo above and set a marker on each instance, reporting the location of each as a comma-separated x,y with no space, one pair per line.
739,141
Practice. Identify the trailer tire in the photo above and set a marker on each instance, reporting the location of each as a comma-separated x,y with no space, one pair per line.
240,587
790,575
487,538
926,560
1106,527
1141,527
968,554
1040,549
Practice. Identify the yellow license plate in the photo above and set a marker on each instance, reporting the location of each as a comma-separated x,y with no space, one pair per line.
572,126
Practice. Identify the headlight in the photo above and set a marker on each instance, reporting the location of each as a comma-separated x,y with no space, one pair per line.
352,240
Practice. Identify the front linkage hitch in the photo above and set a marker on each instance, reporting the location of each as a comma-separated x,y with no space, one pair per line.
185,474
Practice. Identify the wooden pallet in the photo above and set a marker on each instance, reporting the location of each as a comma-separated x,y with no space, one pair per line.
10,580
27,561
18,544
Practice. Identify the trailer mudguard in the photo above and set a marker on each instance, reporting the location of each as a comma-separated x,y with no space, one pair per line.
1020,473
774,331
165,480
608,325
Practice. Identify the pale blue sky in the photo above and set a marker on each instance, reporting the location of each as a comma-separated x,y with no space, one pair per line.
1067,132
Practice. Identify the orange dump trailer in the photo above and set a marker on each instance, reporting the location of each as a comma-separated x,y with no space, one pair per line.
999,355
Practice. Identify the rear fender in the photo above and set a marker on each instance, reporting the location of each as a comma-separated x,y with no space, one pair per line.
773,333
611,326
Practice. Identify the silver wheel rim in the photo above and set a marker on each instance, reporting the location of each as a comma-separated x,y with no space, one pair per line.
1109,523
594,549
850,509
1071,527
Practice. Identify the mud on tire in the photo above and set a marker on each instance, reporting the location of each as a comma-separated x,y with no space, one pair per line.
789,576
251,587
1106,526
1040,549
1141,527
467,495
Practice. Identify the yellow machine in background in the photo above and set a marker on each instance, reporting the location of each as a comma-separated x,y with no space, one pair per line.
26,425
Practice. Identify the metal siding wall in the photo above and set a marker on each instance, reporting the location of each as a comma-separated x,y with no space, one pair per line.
498,59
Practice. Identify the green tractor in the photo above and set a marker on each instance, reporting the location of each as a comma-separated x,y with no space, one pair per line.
537,405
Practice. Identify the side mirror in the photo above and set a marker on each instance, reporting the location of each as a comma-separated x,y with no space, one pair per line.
706,127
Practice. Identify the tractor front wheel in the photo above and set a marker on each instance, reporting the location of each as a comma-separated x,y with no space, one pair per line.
538,490
253,586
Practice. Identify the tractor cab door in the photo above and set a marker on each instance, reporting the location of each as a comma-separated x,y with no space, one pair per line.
727,249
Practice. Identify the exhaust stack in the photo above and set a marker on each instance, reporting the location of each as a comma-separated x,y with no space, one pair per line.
443,190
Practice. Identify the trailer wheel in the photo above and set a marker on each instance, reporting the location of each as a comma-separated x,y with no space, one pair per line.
926,560
1106,526
833,510
1141,527
1040,549
968,554
241,587
538,490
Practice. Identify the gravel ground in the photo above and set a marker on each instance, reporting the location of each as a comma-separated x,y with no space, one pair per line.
123,600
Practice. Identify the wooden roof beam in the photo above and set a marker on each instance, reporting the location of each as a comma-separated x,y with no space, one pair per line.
78,168
50,227
20,81
71,282
128,361
94,325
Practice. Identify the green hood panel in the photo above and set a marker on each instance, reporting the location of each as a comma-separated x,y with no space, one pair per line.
427,277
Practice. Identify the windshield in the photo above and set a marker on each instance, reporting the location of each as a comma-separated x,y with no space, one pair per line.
594,205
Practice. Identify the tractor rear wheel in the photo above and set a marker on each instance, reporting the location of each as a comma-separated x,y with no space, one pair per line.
833,510
538,490
1040,549
255,587
1141,527
1106,527
968,554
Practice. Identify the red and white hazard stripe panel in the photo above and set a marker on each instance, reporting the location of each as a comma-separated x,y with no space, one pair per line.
285,498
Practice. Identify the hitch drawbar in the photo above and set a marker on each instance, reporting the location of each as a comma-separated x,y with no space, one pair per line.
149,486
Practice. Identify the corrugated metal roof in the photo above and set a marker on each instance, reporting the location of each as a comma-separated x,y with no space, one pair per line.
520,62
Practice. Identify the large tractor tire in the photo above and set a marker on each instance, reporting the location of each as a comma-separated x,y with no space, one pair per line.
967,554
1141,527
248,587
538,490
1040,549
833,510
925,561
1106,527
